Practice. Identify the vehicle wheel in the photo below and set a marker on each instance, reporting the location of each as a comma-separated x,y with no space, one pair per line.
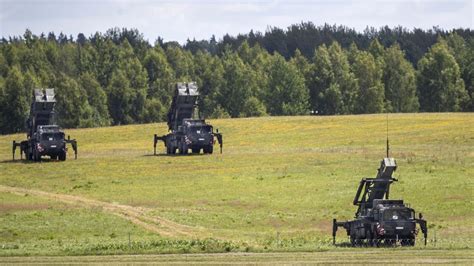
372,241
408,242
36,156
173,150
389,242
62,156
208,150
376,242
184,149
353,241
196,150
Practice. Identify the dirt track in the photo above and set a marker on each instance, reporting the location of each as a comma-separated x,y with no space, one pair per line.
137,215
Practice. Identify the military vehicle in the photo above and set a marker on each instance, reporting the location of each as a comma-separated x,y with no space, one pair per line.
187,130
378,218
44,137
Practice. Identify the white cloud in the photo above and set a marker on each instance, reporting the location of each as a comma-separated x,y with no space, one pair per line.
182,19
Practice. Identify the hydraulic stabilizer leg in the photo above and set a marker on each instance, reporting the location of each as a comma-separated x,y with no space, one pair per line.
157,138
74,147
335,225
73,143
16,144
423,227
14,149
220,140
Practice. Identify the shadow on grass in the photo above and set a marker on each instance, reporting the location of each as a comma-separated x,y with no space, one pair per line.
174,155
15,161
24,161
343,245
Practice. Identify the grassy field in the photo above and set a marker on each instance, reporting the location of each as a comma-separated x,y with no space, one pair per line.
276,187
398,257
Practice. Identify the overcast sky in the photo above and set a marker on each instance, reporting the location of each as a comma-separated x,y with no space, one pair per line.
179,20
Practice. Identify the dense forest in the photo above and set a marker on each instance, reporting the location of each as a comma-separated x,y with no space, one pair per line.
118,77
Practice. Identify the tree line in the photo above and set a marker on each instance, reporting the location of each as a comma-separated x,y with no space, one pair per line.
118,77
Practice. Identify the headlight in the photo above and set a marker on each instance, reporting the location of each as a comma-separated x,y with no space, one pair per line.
39,147
380,230
187,140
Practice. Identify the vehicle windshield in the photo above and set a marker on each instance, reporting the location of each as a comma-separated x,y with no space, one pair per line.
397,214
201,129
52,136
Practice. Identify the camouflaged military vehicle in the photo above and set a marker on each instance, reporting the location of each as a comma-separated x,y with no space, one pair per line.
187,130
378,219
44,137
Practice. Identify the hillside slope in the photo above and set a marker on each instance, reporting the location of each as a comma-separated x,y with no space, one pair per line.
277,186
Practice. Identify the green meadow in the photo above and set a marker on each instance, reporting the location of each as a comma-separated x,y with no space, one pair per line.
275,188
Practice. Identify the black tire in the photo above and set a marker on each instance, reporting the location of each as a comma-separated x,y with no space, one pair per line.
353,241
372,241
389,242
208,149
36,156
184,148
408,242
196,150
62,156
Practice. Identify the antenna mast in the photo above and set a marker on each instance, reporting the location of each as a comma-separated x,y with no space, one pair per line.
388,147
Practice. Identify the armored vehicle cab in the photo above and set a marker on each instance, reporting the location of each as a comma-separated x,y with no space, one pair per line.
44,137
197,134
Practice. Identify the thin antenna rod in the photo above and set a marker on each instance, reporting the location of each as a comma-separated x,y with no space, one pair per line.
388,147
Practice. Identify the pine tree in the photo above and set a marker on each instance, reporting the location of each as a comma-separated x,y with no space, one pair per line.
376,49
